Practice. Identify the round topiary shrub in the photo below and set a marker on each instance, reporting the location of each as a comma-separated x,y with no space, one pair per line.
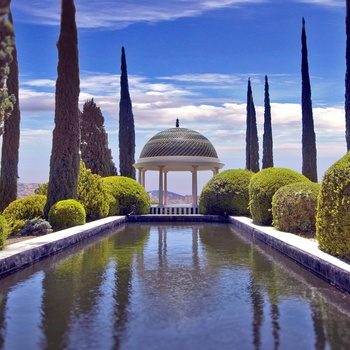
66,213
3,231
226,193
294,208
263,186
333,211
92,194
127,196
20,210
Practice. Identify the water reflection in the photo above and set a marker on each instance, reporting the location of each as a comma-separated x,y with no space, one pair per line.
171,287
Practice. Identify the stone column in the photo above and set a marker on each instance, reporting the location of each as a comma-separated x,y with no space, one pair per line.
160,202
143,178
165,187
194,186
140,176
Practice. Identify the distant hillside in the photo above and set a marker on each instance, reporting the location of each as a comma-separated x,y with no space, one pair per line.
173,198
24,190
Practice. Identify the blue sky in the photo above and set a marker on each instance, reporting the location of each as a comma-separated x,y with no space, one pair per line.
189,60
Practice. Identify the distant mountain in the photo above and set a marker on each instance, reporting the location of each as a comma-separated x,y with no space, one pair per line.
173,198
24,189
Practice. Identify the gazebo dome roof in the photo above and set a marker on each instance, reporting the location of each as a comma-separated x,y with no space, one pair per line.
178,142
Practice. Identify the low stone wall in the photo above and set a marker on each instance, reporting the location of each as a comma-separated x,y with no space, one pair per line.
19,255
303,251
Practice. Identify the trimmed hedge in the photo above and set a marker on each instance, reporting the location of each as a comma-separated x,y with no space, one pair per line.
66,213
92,194
23,209
294,208
127,196
226,193
3,231
333,211
263,186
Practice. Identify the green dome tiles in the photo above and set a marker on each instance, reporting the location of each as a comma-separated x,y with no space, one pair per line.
178,142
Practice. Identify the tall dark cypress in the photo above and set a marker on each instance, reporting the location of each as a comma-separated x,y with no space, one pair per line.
95,152
347,77
65,158
247,133
7,45
309,166
252,140
10,142
126,125
267,161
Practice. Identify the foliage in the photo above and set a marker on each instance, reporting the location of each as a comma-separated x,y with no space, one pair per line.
226,193
127,195
3,231
126,125
92,194
42,189
95,152
66,213
65,157
36,227
7,44
333,212
267,161
20,210
263,186
252,141
10,142
294,208
309,167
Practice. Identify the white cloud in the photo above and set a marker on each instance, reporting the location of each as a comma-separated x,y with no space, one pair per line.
110,14
332,3
156,105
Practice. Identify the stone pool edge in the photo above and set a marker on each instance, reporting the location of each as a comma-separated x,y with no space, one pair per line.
19,255
303,251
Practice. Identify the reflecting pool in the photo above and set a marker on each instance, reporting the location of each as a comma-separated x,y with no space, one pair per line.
171,286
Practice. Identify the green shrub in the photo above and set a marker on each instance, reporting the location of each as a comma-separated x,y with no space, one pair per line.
294,208
92,194
66,213
42,189
263,186
127,196
23,209
333,211
226,193
3,231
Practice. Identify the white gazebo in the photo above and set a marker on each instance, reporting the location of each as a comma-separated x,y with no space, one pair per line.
177,149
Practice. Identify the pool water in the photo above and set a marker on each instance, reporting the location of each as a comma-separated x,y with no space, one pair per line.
171,286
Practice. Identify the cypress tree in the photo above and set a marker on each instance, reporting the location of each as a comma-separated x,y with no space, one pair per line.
126,125
267,161
252,141
309,166
247,134
347,77
65,159
95,152
7,44
10,142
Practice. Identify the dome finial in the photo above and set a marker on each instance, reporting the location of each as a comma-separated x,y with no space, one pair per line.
177,122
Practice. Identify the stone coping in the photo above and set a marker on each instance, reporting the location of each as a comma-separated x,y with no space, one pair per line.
19,255
303,251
